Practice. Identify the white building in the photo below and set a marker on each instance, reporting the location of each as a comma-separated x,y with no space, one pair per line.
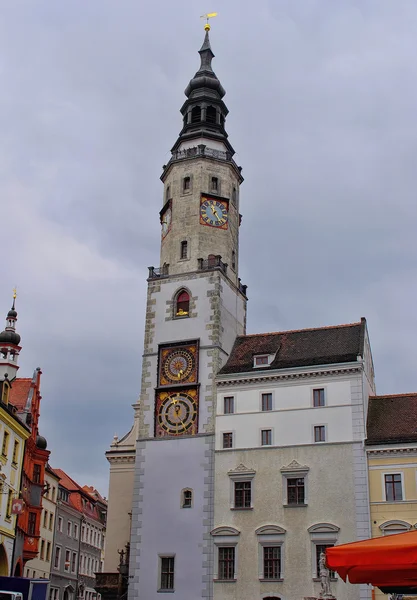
290,466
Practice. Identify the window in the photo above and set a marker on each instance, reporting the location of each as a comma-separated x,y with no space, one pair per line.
74,562
233,260
211,116
229,405
167,572
182,304
318,397
234,196
48,551
226,562
168,192
261,360
266,402
67,560
54,594
187,499
196,114
184,250
243,494
36,473
319,433
75,531
69,528
42,552
186,184
60,522
32,523
5,446
214,184
272,562
228,440
9,505
45,519
15,452
319,549
57,557
295,490
266,437
51,520
393,487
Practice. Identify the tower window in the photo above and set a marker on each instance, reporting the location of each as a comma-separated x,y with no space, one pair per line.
211,116
186,184
168,192
215,184
187,499
184,250
234,195
182,304
233,260
196,114
222,120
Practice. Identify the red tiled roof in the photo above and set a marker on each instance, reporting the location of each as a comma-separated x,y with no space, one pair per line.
19,392
392,419
94,494
76,493
298,348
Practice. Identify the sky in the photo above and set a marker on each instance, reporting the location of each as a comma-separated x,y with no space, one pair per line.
322,97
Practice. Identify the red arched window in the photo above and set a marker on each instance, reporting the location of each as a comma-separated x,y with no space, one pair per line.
182,304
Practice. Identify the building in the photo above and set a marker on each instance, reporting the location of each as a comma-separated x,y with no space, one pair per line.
101,508
40,567
67,542
13,436
290,467
391,447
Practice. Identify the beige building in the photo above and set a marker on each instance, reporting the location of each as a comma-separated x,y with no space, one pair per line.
40,567
290,466
391,447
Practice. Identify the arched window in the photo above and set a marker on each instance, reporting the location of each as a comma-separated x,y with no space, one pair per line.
187,498
211,116
182,304
196,114
184,250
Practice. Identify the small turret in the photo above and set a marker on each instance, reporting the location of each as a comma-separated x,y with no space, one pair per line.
9,345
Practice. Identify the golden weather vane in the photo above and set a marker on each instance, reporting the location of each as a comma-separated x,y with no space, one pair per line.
207,17
14,293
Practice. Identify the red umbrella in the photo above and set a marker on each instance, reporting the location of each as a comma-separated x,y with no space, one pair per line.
386,562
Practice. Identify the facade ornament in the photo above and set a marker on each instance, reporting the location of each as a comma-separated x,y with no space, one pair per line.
324,573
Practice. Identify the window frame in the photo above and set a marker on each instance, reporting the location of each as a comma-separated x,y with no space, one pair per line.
321,534
262,398
184,250
267,440
323,426
386,474
241,475
257,357
229,400
169,573
227,561
294,471
57,555
313,396
5,443
186,184
184,499
67,554
270,536
225,537
229,433
242,497
60,524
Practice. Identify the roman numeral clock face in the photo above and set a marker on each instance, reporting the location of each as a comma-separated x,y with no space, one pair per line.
214,213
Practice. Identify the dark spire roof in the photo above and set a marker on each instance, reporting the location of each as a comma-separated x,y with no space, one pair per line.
9,335
205,76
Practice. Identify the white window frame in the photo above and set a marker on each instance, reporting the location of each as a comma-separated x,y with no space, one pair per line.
294,471
317,387
59,548
270,536
76,531
162,555
225,537
233,439
69,528
240,475
224,396
272,400
270,358
60,524
394,472
67,570
325,433
271,429
182,497
321,533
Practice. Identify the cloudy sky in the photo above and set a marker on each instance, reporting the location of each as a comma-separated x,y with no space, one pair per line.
322,97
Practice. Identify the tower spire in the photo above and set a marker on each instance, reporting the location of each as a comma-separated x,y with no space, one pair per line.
9,345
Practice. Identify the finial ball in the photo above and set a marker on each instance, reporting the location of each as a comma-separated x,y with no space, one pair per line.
207,27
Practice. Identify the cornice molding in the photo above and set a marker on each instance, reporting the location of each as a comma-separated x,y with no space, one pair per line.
391,451
247,378
117,460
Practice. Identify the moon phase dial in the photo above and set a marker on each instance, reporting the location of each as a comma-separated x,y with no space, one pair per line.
176,413
178,365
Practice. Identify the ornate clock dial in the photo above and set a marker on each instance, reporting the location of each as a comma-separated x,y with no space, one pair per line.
178,365
166,222
214,213
177,414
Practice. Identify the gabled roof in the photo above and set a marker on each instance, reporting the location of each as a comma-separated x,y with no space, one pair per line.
76,495
392,419
95,494
19,392
298,348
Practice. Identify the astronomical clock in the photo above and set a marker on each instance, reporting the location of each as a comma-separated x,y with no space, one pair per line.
214,212
176,406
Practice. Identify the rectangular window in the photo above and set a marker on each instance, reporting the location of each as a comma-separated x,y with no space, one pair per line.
42,552
266,402
69,528
261,360
5,445
186,184
318,397
9,505
295,490
36,473
51,520
226,562
67,560
188,499
319,549
228,440
167,572
243,494
229,405
272,562
266,437
15,452
393,487
57,557
214,184
48,551
74,562
319,433
184,250
60,522
32,523
45,519
75,531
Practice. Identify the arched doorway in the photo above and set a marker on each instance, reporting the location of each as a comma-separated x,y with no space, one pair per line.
4,563
18,569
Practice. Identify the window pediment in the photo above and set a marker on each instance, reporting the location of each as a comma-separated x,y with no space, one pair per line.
294,467
270,530
395,524
224,530
242,472
323,528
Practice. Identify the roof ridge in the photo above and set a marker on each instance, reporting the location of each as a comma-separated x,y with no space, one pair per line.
408,394
300,330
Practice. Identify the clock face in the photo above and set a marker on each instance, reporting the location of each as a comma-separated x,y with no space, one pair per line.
176,413
166,222
214,213
178,364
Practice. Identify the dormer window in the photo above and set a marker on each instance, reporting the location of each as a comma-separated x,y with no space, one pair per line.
214,184
262,360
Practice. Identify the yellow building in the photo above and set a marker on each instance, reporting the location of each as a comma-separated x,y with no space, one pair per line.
391,447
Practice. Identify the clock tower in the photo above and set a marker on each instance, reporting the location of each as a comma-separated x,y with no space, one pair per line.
196,307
